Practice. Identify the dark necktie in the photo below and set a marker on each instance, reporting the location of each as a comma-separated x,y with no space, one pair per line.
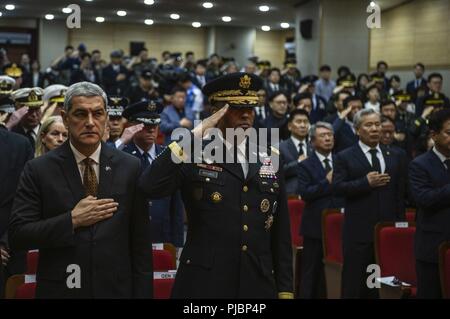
89,178
328,167
300,149
30,137
145,161
375,161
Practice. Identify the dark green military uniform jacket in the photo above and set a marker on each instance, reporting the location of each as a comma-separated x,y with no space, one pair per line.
238,242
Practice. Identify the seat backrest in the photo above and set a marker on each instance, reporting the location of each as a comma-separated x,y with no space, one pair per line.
394,250
32,262
163,260
410,215
26,291
444,265
332,222
162,288
296,207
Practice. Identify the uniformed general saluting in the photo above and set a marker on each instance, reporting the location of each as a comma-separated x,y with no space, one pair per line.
238,242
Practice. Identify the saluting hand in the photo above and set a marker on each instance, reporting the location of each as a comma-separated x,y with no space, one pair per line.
209,122
344,113
91,210
378,180
129,132
16,117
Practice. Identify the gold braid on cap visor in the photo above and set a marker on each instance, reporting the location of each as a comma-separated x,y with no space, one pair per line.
235,97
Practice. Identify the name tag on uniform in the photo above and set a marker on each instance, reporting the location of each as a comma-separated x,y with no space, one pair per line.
165,275
210,174
210,167
401,225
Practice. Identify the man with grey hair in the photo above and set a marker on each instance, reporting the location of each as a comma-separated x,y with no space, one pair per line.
316,189
372,180
79,205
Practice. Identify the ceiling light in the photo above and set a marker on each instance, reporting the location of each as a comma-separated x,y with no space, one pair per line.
49,16
264,8
10,7
265,28
121,13
207,5
148,21
284,25
100,19
88,0
66,10
149,2
196,24
226,19
174,16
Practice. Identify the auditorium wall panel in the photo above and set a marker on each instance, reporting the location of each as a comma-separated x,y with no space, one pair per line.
109,36
415,31
270,45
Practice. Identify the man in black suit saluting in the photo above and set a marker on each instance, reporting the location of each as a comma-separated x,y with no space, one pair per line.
429,177
79,206
372,180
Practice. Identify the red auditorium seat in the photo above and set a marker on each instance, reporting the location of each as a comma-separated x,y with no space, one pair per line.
444,265
332,221
394,251
410,215
163,260
296,207
26,291
162,288
32,262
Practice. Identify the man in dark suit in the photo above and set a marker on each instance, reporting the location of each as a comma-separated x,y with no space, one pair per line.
418,82
429,176
166,214
295,149
115,76
314,185
176,115
372,180
344,129
238,242
80,206
16,151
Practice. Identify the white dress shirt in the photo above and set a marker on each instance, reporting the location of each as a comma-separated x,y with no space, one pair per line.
297,143
366,150
79,158
322,159
441,156
240,153
274,87
151,153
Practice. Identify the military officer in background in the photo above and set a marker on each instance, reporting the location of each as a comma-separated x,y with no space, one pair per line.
116,122
167,213
6,103
238,242
30,100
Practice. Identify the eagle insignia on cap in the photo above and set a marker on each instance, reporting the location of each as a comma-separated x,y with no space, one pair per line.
115,100
245,82
151,106
32,97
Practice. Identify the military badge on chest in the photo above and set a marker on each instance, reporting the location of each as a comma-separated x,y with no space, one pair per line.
267,170
265,208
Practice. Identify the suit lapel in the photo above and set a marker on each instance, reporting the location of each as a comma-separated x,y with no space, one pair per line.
318,167
106,171
293,149
387,155
361,157
71,172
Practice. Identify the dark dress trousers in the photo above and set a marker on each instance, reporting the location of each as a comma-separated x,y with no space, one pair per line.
364,208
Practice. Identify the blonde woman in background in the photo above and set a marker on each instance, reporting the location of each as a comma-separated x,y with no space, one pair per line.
52,134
